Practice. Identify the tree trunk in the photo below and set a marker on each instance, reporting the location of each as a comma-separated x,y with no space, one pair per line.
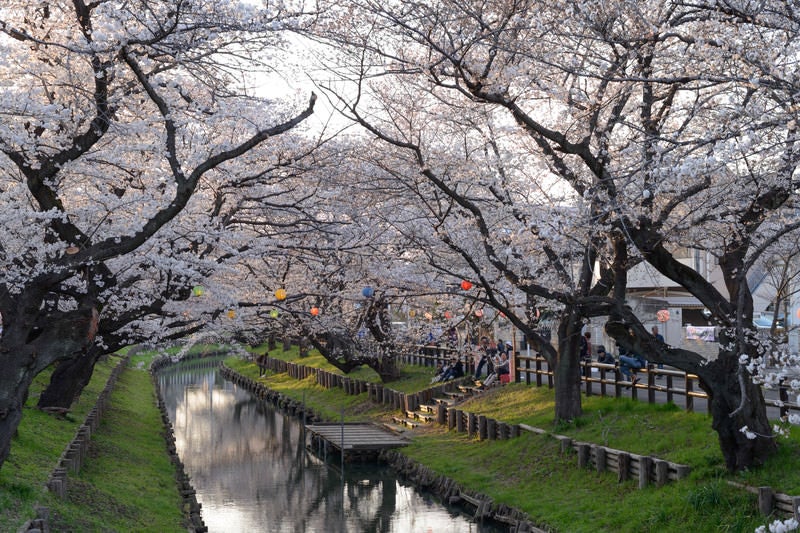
14,385
567,370
69,379
725,397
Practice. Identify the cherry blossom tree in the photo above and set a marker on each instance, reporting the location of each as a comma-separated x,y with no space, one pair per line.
674,138
115,112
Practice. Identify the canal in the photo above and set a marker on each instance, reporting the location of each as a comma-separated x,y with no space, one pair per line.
252,471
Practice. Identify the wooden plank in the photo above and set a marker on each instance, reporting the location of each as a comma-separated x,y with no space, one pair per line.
357,436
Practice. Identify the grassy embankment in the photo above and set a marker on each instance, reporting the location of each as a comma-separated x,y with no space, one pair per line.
128,485
531,474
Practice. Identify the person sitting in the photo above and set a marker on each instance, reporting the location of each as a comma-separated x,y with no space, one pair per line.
604,357
501,367
629,364
455,370
485,353
437,375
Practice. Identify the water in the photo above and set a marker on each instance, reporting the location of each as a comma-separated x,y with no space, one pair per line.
252,471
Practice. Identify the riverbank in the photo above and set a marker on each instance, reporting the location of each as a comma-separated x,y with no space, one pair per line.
126,483
528,473
532,474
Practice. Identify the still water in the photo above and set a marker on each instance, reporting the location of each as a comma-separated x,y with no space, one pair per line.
252,471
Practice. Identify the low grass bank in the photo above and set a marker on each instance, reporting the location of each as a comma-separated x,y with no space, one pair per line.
127,484
531,474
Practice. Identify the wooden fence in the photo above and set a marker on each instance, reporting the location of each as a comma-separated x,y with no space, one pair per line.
607,380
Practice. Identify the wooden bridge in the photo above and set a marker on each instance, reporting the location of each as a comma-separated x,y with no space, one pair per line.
357,440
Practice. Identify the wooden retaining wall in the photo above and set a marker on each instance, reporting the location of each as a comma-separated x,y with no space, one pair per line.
77,450
647,470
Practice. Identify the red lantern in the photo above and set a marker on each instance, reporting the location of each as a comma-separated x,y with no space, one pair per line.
466,285
662,315
448,315
479,313
314,311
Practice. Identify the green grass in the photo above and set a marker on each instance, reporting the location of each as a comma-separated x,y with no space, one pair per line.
531,474
128,485
113,491
40,440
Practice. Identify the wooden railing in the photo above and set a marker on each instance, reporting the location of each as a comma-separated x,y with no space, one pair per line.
607,380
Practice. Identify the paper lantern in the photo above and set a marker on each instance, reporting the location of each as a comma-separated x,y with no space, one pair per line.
479,313
466,285
231,313
72,250
412,313
280,294
429,316
367,292
448,315
662,315
274,313
197,290
314,311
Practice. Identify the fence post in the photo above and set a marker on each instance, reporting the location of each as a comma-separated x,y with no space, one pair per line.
689,397
766,500
538,372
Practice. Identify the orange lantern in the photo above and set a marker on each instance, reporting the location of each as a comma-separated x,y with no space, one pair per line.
466,285
280,294
314,311
231,313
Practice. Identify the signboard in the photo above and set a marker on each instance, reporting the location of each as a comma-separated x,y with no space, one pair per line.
700,333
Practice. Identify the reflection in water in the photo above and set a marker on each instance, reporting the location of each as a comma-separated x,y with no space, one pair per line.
252,472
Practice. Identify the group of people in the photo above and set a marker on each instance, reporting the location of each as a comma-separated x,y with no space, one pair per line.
629,363
452,370
493,356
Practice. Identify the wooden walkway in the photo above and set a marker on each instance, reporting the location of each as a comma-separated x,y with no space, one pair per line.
356,437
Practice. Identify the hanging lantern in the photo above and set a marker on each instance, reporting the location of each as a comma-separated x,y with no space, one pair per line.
273,313
197,290
428,316
662,315
280,294
314,311
367,292
448,315
479,313
231,313
72,250
413,312
466,285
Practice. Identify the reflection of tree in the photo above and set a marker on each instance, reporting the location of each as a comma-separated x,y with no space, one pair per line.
237,448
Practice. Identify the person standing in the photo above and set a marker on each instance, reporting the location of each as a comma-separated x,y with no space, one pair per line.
586,353
660,338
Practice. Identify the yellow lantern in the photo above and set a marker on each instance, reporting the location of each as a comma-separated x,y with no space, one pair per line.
412,313
231,313
274,313
280,294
